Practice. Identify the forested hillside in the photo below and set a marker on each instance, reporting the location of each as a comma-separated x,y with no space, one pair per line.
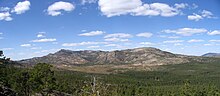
190,79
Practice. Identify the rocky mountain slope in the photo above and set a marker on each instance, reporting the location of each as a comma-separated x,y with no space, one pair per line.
211,55
146,56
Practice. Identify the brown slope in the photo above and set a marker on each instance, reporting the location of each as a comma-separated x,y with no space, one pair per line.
147,56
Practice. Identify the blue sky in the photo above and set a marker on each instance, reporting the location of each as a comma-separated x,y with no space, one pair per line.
32,28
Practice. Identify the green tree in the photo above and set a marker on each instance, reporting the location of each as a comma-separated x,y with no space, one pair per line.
21,83
3,59
42,79
5,73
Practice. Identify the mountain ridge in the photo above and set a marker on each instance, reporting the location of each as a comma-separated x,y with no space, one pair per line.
143,55
211,55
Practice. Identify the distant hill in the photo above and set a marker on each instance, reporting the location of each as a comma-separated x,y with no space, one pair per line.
147,55
211,55
146,58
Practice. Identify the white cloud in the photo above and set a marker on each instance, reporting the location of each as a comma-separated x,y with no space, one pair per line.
88,1
5,16
82,44
93,47
1,33
215,32
195,17
214,40
195,40
178,44
173,37
55,43
181,5
170,37
194,6
44,40
116,40
92,33
146,43
21,7
161,8
186,31
46,51
4,9
6,49
208,44
41,35
118,7
83,30
146,35
36,48
112,45
173,41
207,14
202,15
111,8
26,45
55,8
118,35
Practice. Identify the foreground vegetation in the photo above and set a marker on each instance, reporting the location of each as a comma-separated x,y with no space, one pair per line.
193,79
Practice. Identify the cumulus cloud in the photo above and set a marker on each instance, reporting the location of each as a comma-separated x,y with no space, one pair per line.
21,7
173,41
118,37
45,40
146,35
186,31
82,44
92,33
207,14
202,15
195,40
215,32
181,5
118,7
5,16
56,8
195,17
111,8
25,45
88,1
